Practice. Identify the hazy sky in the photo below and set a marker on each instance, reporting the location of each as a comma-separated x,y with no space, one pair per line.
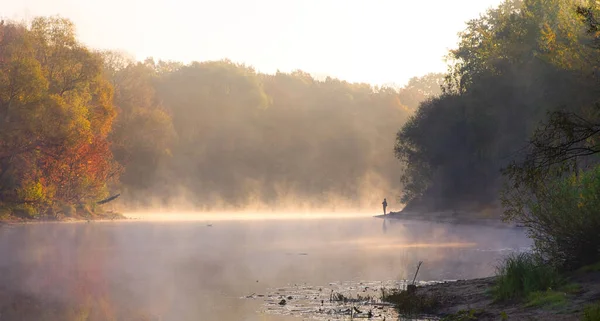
375,41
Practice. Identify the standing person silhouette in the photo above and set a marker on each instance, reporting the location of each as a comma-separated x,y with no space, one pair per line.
384,203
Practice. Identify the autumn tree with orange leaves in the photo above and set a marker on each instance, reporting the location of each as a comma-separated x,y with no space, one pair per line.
55,113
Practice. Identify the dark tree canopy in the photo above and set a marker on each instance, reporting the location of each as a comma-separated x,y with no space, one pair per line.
514,66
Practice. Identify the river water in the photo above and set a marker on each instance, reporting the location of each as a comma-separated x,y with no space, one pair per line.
204,270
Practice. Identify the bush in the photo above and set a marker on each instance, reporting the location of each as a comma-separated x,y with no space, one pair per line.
563,219
551,299
5,212
69,210
84,211
522,274
25,211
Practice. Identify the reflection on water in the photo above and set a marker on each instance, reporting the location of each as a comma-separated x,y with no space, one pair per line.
192,271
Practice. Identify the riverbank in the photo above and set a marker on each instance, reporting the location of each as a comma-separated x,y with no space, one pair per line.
487,218
95,217
472,299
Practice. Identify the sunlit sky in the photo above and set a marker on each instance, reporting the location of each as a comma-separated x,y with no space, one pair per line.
374,41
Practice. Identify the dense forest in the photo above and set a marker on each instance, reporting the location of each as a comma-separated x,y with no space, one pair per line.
521,90
78,125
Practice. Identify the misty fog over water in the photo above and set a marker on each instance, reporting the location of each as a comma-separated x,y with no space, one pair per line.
193,271
244,148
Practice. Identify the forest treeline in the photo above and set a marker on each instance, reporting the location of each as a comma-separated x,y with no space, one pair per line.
78,125
522,89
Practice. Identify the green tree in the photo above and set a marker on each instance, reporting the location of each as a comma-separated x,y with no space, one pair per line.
513,65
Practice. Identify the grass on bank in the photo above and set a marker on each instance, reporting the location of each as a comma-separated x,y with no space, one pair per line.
591,312
549,299
524,277
464,315
590,268
522,274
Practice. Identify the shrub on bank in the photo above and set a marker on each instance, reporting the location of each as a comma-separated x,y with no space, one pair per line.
410,303
563,220
522,274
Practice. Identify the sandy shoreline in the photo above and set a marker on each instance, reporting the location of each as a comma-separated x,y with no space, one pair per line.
474,295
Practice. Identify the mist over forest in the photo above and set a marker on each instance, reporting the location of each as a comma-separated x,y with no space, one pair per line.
80,124
219,135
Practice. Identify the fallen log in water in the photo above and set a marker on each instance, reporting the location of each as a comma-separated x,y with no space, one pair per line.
112,198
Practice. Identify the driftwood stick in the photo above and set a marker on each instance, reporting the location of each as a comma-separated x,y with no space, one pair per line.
417,272
112,198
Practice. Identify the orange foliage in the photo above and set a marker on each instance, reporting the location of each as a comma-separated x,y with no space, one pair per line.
80,172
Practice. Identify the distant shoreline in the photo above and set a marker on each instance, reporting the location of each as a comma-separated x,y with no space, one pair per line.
449,217
104,217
